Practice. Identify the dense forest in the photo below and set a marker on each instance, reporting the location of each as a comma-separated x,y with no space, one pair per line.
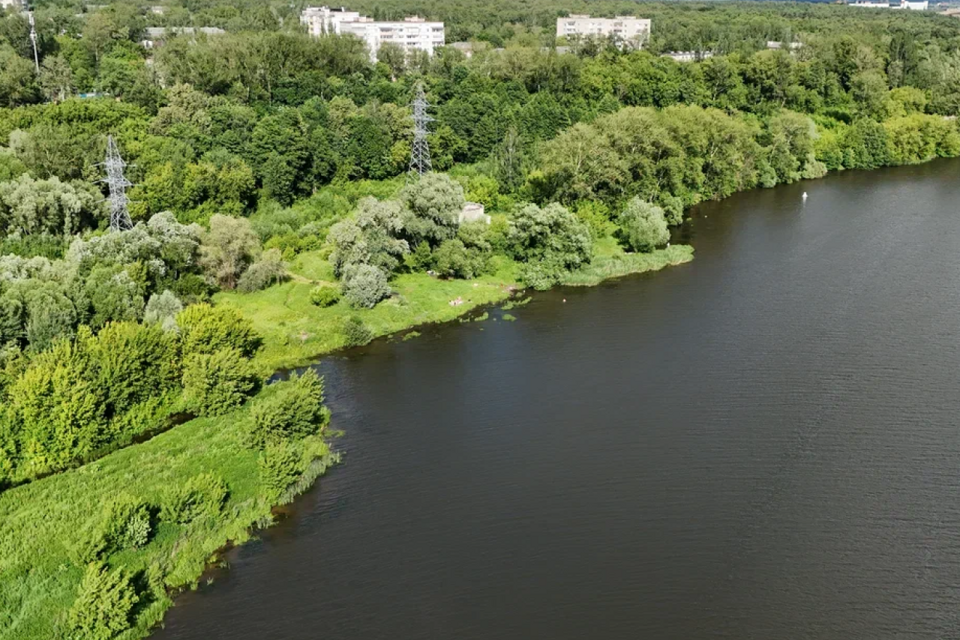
260,146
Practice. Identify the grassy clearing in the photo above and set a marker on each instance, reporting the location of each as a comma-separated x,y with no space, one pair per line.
618,264
296,331
41,523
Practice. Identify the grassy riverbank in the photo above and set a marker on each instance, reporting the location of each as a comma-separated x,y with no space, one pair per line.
296,331
44,523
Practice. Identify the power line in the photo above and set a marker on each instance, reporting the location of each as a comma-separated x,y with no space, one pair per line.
420,153
117,183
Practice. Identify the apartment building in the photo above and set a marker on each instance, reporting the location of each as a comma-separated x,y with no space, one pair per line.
410,34
633,31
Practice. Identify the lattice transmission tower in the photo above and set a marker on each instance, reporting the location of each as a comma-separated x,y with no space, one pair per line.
117,183
420,154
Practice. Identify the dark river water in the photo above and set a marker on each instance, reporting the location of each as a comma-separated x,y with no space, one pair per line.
763,443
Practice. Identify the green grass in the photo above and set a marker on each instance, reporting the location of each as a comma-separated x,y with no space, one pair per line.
296,331
40,523
614,264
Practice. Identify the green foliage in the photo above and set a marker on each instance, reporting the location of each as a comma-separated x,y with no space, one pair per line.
269,269
104,604
355,332
364,285
279,464
202,496
218,382
551,240
162,309
122,523
642,226
371,238
293,410
227,249
205,329
434,203
325,295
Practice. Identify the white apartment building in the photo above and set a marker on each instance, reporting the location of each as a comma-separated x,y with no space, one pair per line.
410,34
631,29
910,5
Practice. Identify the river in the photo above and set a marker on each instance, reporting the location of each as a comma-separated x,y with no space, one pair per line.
763,443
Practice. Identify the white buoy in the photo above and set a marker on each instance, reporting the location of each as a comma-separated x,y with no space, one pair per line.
804,195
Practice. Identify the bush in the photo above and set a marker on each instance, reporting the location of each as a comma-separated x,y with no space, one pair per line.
280,464
364,285
216,383
356,333
269,269
202,496
294,410
206,329
455,260
642,226
105,600
325,295
124,523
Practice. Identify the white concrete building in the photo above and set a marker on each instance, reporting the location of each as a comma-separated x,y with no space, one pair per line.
910,5
9,3
631,29
410,34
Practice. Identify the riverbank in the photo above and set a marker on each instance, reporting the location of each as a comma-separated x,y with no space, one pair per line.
297,332
44,524
39,565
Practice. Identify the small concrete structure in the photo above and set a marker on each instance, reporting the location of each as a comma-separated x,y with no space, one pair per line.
473,211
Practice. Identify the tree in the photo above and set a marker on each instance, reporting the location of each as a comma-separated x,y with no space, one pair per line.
552,240
364,285
372,237
56,78
227,249
642,226
16,78
434,204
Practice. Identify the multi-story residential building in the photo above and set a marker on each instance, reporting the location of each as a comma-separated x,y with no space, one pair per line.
631,30
410,34
324,20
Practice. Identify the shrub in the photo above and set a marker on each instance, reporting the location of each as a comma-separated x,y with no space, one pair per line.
269,269
216,383
356,333
455,260
280,464
364,285
325,295
294,410
207,329
123,523
201,496
642,226
105,600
